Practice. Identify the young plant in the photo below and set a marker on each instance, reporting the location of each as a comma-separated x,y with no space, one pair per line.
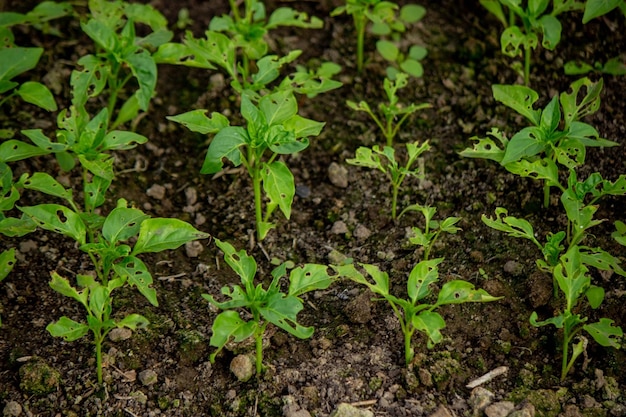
385,161
385,20
120,57
614,66
39,18
389,124
116,263
427,236
597,8
273,128
524,25
556,135
414,312
265,306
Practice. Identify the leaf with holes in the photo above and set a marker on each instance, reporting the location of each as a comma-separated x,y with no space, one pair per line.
7,262
68,329
309,277
137,275
227,327
156,235
122,223
59,219
279,185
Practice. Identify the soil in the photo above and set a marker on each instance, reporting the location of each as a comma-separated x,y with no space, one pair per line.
356,353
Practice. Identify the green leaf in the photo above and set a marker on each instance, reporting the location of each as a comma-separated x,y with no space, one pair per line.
144,69
430,323
15,61
540,169
128,111
459,291
605,333
556,321
309,277
90,81
43,182
43,142
303,127
412,67
421,277
197,121
63,287
551,29
597,8
519,98
388,50
278,184
101,34
574,110
122,223
68,329
15,150
282,311
225,144
577,68
495,8
121,140
278,107
512,226
228,327
99,301
240,262
101,167
528,142
133,322
571,276
7,262
38,94
595,296
620,232
58,219
381,280
95,192
412,13
551,116
137,275
487,148
159,234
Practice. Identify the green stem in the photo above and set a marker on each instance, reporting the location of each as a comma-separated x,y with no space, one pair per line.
394,200
527,53
546,194
259,354
359,23
235,10
98,343
258,208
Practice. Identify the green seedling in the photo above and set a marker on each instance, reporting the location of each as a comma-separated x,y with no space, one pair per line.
385,161
385,20
427,236
264,306
120,57
614,66
39,18
556,135
273,128
415,313
116,263
574,282
237,45
597,8
393,113
401,63
524,25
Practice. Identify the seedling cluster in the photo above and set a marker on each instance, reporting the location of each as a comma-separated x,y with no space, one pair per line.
114,83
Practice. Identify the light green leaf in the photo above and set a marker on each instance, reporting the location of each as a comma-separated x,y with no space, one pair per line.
43,182
133,322
121,140
144,69
228,327
137,275
431,324
551,29
225,144
38,94
309,277
7,262
605,333
412,67
15,61
159,234
278,107
63,287
459,291
528,142
197,121
412,13
421,277
388,50
519,98
487,148
68,329
597,8
15,150
122,223
240,262
99,301
282,311
90,81
58,219
278,184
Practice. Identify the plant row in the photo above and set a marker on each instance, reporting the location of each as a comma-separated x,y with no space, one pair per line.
113,85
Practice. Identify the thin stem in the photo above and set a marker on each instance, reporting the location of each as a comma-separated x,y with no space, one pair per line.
527,53
98,343
235,10
394,200
259,353
359,23
258,208
546,194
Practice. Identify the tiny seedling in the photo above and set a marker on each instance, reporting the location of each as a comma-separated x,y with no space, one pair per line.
614,66
273,128
415,313
265,306
385,161
427,236
525,24
394,114
556,135
385,20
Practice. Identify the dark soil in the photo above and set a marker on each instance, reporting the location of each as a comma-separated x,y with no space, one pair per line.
356,354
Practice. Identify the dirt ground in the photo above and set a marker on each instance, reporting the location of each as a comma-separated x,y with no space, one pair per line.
356,353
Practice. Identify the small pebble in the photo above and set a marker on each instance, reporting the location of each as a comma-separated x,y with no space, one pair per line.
243,367
119,334
12,409
148,377
194,248
499,409
303,191
339,228
338,175
156,191
361,232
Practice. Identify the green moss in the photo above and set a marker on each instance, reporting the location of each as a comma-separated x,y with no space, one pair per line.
39,378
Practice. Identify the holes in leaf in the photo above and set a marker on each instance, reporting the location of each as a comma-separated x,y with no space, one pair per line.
61,216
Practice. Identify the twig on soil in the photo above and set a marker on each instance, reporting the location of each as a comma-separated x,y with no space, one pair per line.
264,251
171,278
488,376
130,412
365,403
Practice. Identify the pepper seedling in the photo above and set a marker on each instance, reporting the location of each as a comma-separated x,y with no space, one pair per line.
266,306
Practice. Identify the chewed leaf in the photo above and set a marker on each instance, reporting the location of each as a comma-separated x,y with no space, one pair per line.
59,219
458,291
430,323
7,262
605,333
227,327
68,329
137,275
282,311
122,223
198,121
278,184
133,322
309,277
487,148
519,98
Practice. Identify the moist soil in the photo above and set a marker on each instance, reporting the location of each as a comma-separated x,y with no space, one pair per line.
356,353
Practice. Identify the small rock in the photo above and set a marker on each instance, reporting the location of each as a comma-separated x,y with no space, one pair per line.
442,411
361,232
480,398
119,334
194,248
12,409
499,409
292,409
336,258
426,378
338,175
139,396
303,191
347,410
191,196
339,228
514,268
359,310
528,410
148,377
28,246
243,367
477,256
156,191
571,410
